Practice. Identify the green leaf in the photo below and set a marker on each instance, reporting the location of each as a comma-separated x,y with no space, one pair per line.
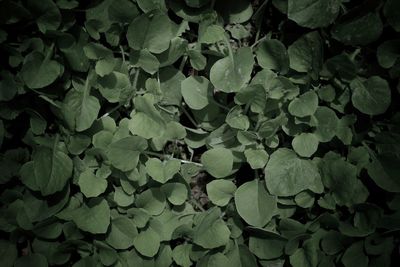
272,54
304,105
341,178
197,92
147,242
124,153
352,32
146,119
307,256
326,123
287,175
144,59
93,217
181,255
371,96
388,53
211,231
122,233
176,193
384,171
305,144
355,255
254,204
267,247
151,32
90,184
231,73
80,109
220,192
39,70
257,158
313,13
152,200
218,162
162,171
52,169
306,54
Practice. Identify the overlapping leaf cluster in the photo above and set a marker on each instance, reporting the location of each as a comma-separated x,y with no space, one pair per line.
199,133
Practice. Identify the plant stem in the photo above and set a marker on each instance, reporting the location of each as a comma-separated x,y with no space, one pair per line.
122,53
219,104
189,116
162,156
197,204
183,62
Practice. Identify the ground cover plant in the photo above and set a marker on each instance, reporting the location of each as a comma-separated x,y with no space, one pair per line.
185,133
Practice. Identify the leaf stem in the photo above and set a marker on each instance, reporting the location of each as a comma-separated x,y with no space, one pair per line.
183,62
162,156
196,204
228,44
257,42
122,53
189,116
219,104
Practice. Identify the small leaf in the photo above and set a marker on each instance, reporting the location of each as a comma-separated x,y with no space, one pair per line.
304,105
272,54
197,92
90,185
122,233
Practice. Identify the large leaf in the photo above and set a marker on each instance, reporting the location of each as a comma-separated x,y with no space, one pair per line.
287,175
80,109
124,153
146,119
40,70
211,231
93,217
218,162
371,96
254,204
151,32
231,73
52,169
313,13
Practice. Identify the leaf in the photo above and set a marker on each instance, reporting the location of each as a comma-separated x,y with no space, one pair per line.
306,54
40,70
313,13
341,178
304,105
176,193
388,53
307,256
181,255
151,32
146,121
90,185
152,200
93,217
355,255
144,59
272,54
234,12
147,242
287,175
352,33
305,144
257,158
80,109
326,123
254,204
122,233
267,247
371,96
384,171
220,192
231,73
52,169
162,171
124,153
218,162
211,231
197,92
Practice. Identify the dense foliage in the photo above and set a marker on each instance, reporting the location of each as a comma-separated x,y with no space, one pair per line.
232,133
